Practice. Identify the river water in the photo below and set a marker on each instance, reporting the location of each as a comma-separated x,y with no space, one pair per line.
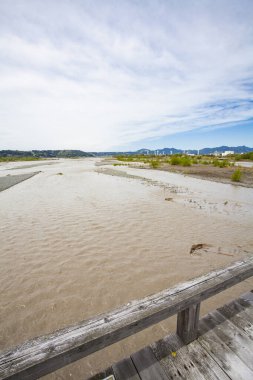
83,242
245,164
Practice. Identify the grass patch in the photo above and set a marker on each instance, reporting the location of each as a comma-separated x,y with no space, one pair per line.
205,162
125,158
175,160
17,158
155,161
182,161
236,176
154,164
221,163
244,156
185,161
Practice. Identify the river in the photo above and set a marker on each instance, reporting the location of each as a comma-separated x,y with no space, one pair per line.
81,238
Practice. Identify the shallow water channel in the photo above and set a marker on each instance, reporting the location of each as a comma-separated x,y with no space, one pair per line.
94,237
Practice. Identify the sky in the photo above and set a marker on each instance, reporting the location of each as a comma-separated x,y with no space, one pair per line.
111,75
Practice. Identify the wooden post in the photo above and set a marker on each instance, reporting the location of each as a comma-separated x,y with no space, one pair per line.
187,323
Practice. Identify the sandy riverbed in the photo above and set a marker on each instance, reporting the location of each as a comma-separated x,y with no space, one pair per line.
205,172
216,174
81,243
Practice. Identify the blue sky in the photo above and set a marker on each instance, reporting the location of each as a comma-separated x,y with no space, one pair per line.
237,134
109,75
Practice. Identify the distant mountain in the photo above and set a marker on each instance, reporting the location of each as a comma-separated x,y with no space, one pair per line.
141,151
220,149
45,153
80,153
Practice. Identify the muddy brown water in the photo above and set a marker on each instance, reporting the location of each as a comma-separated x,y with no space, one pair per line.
89,240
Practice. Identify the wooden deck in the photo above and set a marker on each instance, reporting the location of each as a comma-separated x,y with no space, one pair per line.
223,350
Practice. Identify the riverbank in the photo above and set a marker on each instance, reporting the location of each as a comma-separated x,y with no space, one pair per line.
206,170
216,174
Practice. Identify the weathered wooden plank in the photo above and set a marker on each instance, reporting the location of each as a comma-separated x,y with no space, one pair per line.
171,370
236,314
175,359
248,297
247,311
241,322
199,357
102,375
192,361
163,354
223,355
125,370
246,303
147,365
187,323
231,309
206,365
45,354
233,337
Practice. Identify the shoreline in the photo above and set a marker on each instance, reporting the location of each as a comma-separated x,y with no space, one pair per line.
207,173
213,176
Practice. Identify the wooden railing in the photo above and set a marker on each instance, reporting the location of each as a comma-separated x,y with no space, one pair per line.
40,356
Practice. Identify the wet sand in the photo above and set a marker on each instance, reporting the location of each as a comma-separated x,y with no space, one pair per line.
201,171
84,242
216,174
12,180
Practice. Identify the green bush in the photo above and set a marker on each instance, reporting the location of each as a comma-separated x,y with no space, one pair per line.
154,164
185,161
247,156
124,158
221,163
175,160
236,176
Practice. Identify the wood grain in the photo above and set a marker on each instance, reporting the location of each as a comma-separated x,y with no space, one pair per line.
125,370
234,367
147,365
187,323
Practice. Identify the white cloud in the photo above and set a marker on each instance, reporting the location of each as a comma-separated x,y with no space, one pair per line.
95,75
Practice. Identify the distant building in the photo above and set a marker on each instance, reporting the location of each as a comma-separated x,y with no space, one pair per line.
227,153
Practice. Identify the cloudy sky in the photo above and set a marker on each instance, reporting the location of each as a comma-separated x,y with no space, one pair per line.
125,74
